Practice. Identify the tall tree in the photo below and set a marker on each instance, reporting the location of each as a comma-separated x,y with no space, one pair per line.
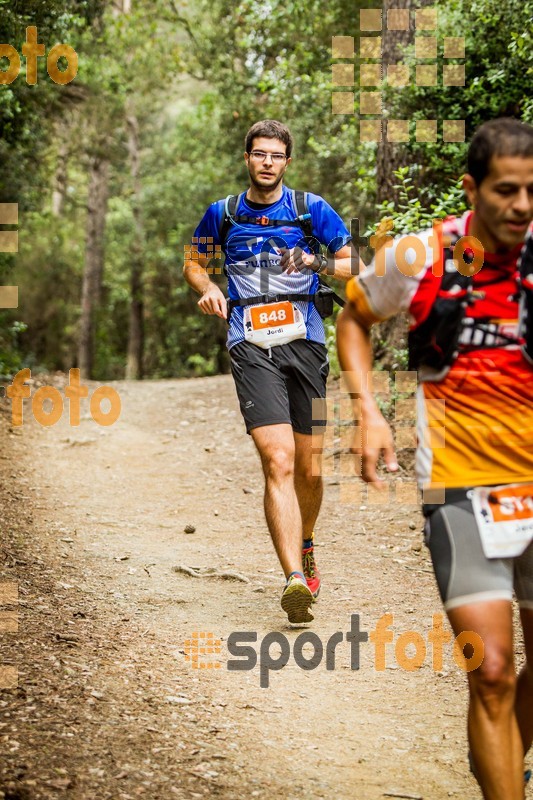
94,260
134,365
390,155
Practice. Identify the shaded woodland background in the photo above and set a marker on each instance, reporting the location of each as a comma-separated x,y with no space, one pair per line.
113,171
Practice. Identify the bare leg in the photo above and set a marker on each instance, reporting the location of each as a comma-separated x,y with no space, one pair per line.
493,732
276,447
308,487
524,689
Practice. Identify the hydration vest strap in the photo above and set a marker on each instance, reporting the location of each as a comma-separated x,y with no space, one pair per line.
301,205
299,201
525,315
266,222
270,298
231,204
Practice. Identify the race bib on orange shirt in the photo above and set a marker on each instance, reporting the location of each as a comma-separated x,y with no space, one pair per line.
504,515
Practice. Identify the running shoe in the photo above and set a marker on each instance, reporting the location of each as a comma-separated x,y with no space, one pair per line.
312,575
297,599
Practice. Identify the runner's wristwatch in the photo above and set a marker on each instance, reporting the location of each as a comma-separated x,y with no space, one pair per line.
322,263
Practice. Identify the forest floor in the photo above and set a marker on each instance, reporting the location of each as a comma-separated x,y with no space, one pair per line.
109,706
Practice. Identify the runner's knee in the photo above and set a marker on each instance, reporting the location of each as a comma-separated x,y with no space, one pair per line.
494,681
278,464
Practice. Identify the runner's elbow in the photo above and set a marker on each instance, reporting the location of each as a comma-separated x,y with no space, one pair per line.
348,319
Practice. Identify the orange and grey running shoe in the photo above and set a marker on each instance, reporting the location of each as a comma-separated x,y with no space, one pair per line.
297,598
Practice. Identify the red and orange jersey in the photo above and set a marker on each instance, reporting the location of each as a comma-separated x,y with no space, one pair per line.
475,425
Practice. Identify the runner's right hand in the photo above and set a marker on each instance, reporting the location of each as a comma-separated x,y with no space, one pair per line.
376,439
213,302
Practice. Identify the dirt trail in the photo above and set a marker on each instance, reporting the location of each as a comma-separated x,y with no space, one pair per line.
108,706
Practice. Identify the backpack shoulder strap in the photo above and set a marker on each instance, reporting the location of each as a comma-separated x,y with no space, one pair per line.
299,200
301,206
451,276
231,204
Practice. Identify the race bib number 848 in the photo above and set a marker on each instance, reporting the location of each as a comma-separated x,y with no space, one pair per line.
270,315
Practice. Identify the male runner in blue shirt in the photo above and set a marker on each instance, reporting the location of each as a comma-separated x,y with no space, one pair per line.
276,341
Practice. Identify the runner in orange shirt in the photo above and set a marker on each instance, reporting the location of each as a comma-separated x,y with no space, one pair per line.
471,340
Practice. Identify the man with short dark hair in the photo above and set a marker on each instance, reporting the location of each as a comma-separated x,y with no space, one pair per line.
276,337
471,340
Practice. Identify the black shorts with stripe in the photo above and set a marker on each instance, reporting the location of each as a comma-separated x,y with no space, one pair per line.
279,385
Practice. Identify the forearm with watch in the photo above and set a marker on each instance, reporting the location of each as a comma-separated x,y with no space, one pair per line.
343,264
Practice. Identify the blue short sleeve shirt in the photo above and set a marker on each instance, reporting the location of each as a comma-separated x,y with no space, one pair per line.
253,254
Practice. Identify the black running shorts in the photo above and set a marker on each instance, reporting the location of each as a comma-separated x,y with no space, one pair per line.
464,574
278,385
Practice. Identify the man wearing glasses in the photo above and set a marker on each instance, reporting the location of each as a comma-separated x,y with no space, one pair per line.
275,339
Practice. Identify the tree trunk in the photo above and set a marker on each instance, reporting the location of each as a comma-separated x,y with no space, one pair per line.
94,260
61,177
391,336
121,7
391,156
136,323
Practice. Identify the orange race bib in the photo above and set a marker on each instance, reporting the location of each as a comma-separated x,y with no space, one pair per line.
270,315
512,503
504,515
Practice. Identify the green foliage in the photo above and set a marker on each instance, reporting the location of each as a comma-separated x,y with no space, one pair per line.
331,344
10,357
195,76
410,214
27,113
498,73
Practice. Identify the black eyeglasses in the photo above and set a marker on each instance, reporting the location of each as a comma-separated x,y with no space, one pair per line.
260,155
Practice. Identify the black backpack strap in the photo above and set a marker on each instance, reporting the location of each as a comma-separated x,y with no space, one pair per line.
301,206
266,221
231,204
270,298
300,201
525,316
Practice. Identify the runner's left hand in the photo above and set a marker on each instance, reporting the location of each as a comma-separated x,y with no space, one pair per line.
296,260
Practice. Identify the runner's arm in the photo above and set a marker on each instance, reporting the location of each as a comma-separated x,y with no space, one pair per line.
355,358
212,300
343,264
